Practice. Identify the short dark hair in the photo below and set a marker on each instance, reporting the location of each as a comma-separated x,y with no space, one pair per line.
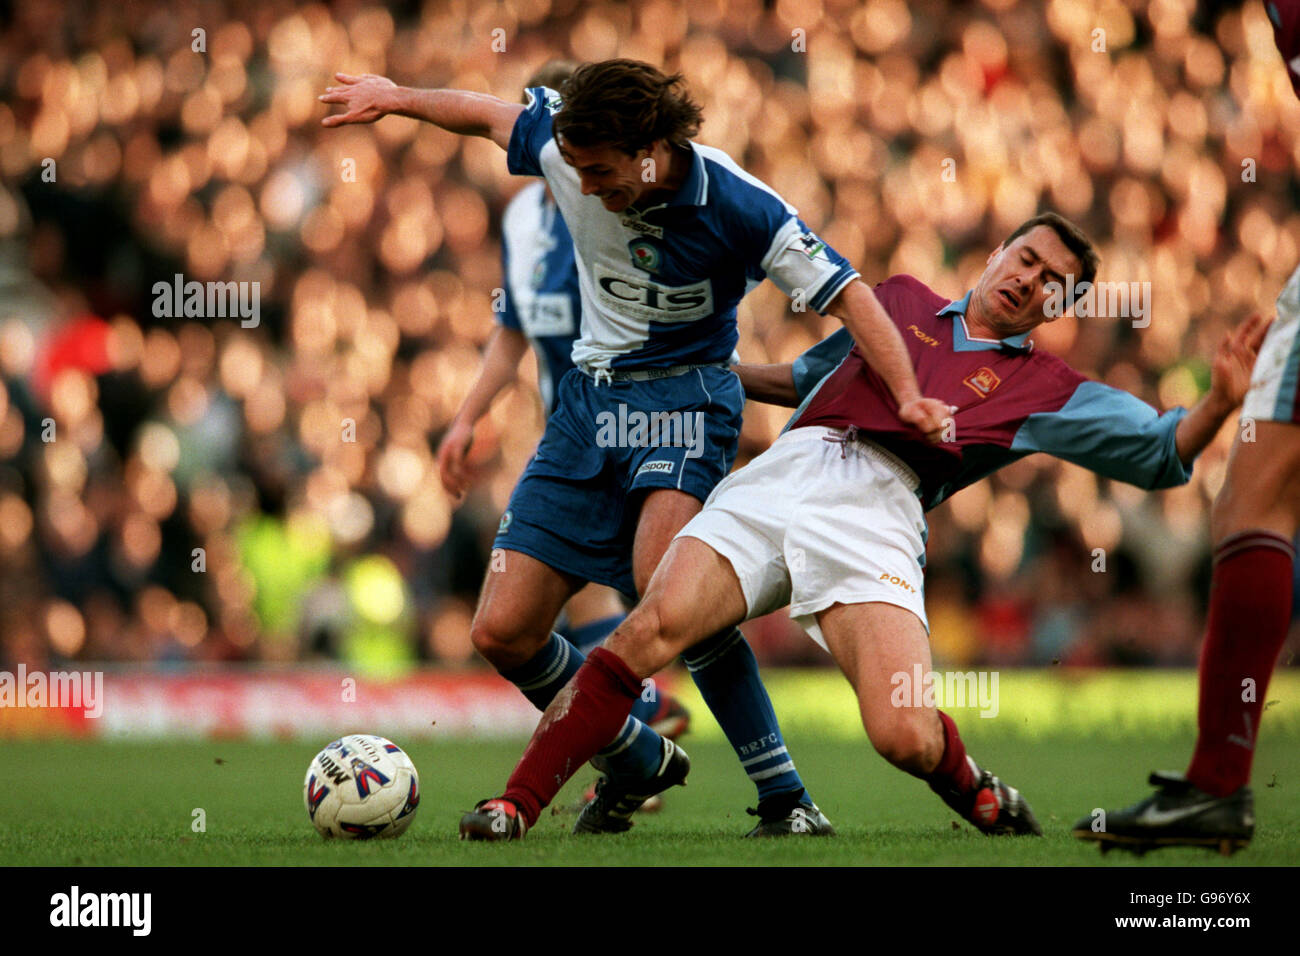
1074,238
626,104
551,75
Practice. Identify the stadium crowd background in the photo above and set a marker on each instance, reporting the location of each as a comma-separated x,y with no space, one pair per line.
376,250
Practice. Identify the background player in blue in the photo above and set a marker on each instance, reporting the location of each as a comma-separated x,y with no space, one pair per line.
647,423
542,308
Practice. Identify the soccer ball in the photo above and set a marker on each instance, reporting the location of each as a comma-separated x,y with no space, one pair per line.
361,786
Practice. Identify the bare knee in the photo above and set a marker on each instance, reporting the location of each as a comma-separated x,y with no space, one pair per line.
642,624
909,738
650,637
503,644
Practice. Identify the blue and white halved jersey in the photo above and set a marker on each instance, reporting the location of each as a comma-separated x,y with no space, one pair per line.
660,286
541,284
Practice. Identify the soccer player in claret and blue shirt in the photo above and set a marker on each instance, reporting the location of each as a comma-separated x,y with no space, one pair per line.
1253,525
541,308
831,519
669,236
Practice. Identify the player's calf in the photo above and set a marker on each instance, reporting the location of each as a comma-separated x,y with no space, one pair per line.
872,640
910,738
925,743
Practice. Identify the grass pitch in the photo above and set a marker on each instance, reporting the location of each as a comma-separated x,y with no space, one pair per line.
1070,744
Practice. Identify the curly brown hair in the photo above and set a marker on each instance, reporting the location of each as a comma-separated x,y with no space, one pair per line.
626,104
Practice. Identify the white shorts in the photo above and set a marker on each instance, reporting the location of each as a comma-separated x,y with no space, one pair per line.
1276,379
811,523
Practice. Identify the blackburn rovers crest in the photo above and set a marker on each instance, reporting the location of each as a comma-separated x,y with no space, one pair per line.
644,255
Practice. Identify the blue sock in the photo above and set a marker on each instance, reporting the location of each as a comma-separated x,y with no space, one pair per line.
724,669
589,636
636,751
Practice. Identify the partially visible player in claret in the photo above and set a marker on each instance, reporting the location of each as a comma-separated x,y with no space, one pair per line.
1254,523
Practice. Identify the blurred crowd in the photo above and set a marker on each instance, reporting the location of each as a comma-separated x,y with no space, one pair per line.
203,488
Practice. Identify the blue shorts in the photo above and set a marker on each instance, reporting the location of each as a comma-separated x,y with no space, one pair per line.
576,506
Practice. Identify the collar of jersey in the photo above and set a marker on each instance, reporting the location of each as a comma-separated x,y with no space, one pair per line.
694,190
963,341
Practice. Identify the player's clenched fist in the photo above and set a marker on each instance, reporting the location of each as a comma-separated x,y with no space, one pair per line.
928,416
365,98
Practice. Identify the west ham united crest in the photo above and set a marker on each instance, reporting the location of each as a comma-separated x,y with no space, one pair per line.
982,381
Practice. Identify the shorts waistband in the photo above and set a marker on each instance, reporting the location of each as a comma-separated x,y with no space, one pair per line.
851,438
611,375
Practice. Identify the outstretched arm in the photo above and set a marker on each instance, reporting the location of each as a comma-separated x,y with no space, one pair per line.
1116,434
1229,380
367,97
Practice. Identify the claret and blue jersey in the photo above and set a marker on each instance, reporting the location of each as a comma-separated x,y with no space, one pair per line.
660,286
1011,401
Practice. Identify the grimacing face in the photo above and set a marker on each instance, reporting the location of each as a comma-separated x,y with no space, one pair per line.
609,173
1011,291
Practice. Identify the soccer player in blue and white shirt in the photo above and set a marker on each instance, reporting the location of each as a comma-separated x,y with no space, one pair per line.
541,307
669,236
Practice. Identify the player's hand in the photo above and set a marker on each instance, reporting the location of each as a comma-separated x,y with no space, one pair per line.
365,98
928,416
453,458
1234,360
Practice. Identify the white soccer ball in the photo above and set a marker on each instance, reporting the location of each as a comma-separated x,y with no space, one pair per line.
361,786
